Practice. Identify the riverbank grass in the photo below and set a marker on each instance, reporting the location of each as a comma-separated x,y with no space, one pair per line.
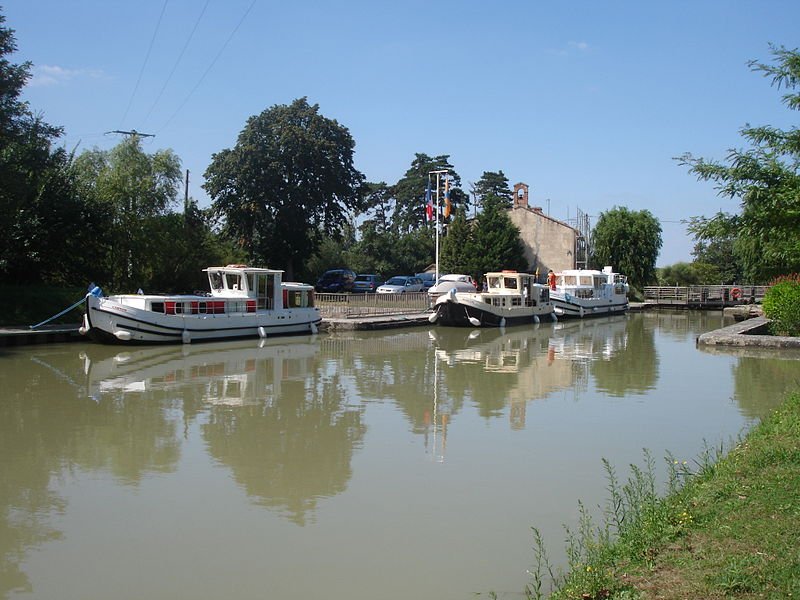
728,527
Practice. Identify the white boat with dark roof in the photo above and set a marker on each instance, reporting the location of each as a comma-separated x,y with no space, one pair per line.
511,298
587,293
242,302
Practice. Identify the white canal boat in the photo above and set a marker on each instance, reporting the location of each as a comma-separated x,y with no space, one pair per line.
588,293
242,302
511,298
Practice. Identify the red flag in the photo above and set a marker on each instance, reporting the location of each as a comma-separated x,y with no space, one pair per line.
428,203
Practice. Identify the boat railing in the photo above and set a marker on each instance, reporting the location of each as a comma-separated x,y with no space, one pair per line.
365,305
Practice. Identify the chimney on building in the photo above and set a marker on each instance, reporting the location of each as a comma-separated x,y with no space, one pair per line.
521,195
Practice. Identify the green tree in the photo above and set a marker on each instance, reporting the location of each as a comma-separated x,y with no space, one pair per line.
494,184
455,256
374,251
288,182
494,242
409,192
693,273
188,244
629,241
134,190
722,255
765,181
42,222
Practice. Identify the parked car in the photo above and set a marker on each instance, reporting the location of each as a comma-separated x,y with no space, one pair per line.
428,279
366,284
402,284
453,281
336,281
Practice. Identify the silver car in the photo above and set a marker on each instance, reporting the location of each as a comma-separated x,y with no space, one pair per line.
402,284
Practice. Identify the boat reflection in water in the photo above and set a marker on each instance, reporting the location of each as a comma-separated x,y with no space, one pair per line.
504,370
265,410
227,373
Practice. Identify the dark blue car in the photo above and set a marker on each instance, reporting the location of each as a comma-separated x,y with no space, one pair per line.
336,281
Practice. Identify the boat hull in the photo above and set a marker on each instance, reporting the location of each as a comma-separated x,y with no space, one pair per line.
112,322
450,313
575,307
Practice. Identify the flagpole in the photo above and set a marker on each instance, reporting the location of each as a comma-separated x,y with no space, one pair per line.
438,173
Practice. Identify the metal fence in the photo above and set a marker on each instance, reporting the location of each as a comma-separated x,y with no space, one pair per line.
367,305
705,295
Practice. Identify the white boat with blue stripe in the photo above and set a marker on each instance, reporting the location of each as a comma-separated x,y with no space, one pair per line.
242,302
589,293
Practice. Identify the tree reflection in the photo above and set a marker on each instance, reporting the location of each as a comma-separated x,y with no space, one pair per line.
293,449
628,362
52,428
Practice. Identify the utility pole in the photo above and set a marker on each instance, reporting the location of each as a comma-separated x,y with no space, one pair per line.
186,195
438,174
131,133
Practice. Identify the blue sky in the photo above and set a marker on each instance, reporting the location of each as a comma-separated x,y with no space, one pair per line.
588,102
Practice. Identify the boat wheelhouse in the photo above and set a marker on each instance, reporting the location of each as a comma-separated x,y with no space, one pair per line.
511,298
587,293
242,302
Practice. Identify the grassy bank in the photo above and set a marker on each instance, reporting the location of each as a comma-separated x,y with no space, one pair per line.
728,527
31,304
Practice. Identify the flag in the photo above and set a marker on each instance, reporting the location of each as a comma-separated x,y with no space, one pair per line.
448,208
428,203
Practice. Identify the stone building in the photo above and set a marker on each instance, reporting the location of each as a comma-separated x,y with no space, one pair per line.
549,243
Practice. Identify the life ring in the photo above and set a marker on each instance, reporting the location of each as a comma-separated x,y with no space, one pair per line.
736,293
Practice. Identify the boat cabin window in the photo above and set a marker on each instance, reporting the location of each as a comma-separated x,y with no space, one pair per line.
510,283
585,280
599,281
299,299
495,283
215,280
234,281
570,280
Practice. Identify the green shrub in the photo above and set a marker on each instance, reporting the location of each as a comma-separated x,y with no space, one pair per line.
23,305
782,305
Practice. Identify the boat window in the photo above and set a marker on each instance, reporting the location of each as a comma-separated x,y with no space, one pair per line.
157,307
251,284
215,280
494,282
599,281
510,283
570,280
297,299
516,301
233,281
586,280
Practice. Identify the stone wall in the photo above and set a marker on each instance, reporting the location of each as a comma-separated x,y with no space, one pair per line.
549,243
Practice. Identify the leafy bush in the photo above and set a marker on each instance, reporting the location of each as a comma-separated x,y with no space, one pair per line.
782,305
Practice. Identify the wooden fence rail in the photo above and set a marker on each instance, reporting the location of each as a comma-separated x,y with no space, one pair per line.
704,295
366,305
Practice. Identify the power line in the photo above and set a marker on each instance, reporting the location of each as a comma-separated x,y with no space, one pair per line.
210,66
146,58
177,61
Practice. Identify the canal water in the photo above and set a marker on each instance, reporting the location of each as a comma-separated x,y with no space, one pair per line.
400,464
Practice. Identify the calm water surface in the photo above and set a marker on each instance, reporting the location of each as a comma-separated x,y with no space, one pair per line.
401,464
